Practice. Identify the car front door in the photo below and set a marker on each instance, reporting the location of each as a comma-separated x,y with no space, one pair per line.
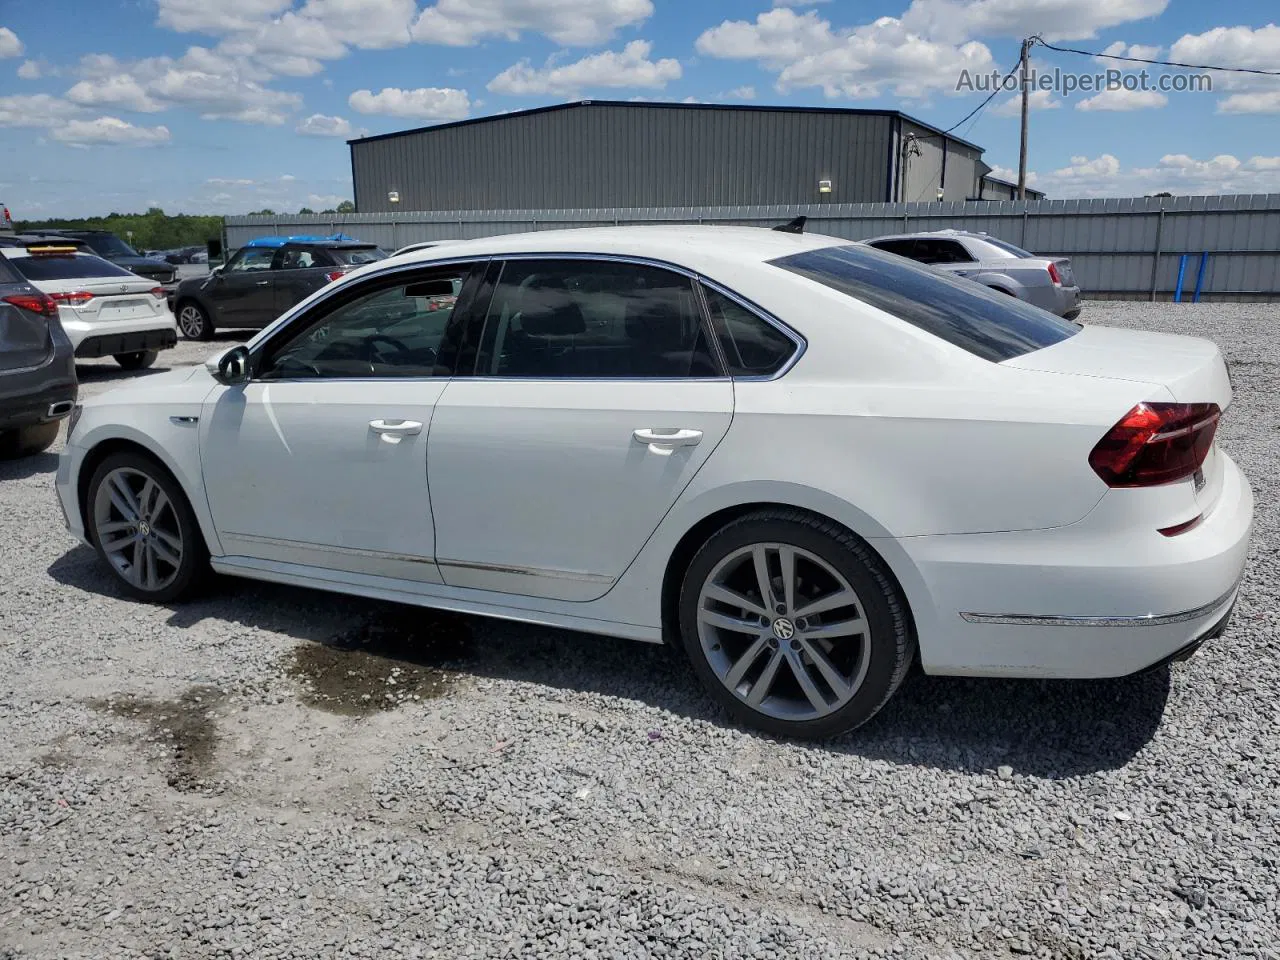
586,397
320,459
242,294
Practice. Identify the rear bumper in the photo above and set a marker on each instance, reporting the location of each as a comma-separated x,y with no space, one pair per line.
51,401
110,344
1094,599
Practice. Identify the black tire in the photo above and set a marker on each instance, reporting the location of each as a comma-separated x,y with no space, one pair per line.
892,644
25,441
193,320
137,360
193,569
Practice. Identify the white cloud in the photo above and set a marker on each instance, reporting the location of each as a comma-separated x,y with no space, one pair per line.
956,20
120,90
1180,174
1263,163
424,103
743,93
629,68
225,182
10,45
1231,47
109,130
1121,49
321,125
1036,100
462,23
1121,100
367,24
36,110
32,70
856,62
287,177
225,16
1264,101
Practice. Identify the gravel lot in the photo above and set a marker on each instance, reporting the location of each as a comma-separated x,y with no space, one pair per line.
275,773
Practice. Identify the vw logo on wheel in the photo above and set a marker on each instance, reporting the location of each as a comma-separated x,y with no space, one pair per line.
784,629
124,288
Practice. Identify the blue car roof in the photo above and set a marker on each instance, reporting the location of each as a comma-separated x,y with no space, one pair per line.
296,238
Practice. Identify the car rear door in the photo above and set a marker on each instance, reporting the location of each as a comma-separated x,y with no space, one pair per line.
298,273
242,294
585,399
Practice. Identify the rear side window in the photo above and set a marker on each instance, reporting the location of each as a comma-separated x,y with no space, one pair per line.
359,256
7,273
1008,249
67,267
752,345
989,325
903,248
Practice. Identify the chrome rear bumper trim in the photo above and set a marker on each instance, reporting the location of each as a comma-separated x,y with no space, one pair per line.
1147,620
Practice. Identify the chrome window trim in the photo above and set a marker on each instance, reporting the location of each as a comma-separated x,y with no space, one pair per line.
800,343
1146,620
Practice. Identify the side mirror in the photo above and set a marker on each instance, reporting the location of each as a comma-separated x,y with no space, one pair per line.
230,368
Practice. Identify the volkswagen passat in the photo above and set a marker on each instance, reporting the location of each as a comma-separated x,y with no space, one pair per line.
804,461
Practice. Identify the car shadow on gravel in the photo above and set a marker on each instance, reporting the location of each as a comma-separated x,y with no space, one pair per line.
1052,729
111,371
20,468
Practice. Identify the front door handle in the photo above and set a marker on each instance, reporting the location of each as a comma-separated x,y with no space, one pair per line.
262,283
392,431
662,440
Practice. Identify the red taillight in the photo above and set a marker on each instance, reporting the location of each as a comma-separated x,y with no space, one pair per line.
35,302
158,293
333,275
1054,275
1156,443
77,299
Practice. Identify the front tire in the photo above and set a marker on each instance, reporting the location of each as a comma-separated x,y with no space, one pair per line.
144,529
794,625
25,441
137,360
193,321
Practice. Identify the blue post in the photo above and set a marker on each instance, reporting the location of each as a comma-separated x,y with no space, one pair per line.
1204,259
1182,272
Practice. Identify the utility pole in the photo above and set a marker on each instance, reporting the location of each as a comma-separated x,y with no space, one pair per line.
1022,153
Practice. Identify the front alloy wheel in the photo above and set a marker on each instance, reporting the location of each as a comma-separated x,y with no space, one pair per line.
194,322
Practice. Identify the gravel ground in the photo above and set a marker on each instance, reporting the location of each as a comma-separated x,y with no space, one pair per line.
276,773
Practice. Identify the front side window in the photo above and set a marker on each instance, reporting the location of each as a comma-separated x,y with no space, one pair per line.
358,256
594,319
255,258
989,325
391,331
109,245
752,345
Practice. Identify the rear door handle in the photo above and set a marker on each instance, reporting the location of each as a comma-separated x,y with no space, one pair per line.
662,440
392,431
262,283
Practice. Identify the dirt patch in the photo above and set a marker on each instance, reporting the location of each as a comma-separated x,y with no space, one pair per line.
395,657
185,726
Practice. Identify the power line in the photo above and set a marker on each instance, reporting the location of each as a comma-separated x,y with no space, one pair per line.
1159,63
994,93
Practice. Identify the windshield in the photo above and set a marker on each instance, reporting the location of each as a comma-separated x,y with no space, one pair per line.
67,267
109,245
356,256
989,325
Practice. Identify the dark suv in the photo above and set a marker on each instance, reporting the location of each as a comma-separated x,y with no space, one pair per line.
110,247
37,367
262,280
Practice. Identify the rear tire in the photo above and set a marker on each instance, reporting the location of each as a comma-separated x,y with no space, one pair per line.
142,526
137,360
193,321
25,441
830,643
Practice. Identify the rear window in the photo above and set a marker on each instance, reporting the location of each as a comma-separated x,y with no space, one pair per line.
356,256
1008,248
66,267
990,325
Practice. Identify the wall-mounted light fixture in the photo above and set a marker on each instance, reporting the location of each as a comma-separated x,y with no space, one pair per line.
393,196
824,186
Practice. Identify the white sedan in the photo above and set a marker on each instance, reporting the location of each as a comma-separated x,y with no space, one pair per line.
803,461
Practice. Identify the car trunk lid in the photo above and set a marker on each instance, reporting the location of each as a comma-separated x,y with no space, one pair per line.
114,298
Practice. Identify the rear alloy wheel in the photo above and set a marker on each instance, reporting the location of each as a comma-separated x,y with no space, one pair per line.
144,529
194,322
24,441
137,360
794,625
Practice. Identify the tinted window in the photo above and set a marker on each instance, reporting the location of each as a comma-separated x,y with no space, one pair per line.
990,325
388,332
934,250
107,244
256,258
752,345
359,256
597,319
903,248
7,273
67,267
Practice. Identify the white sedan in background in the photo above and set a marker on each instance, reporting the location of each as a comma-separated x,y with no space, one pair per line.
105,310
803,461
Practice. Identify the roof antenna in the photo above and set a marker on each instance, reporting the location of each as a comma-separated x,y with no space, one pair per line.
794,226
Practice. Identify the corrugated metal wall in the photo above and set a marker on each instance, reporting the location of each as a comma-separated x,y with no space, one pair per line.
600,154
1119,247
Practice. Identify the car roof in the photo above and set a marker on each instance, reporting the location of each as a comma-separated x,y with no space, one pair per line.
280,241
27,240
693,246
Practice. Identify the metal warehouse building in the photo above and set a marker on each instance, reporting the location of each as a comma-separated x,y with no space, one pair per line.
600,153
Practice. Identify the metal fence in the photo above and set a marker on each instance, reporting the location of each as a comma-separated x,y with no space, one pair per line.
1125,248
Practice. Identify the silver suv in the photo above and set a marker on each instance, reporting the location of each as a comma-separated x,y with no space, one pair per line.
1046,282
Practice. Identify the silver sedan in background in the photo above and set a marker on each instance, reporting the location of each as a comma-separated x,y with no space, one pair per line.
1047,282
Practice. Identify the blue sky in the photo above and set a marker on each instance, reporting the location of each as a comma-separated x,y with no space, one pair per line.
227,106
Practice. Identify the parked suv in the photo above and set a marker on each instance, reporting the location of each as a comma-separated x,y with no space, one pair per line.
262,280
110,247
1046,282
37,368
